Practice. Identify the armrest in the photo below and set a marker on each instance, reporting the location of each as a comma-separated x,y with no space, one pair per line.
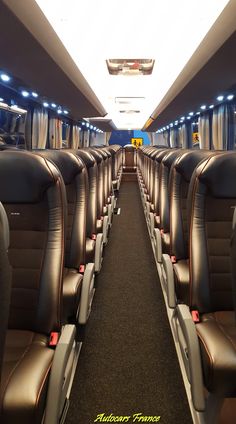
60,375
86,293
98,252
191,355
158,243
169,280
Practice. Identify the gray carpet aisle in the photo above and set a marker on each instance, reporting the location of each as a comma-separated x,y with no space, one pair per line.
128,362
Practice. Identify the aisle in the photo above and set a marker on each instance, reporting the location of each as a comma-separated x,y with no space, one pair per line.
128,362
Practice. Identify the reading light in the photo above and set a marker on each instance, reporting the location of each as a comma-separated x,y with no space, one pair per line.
25,93
230,97
34,94
53,105
203,107
191,113
45,104
5,78
220,98
211,106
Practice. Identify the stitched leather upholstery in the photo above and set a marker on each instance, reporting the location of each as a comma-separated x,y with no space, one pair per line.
34,197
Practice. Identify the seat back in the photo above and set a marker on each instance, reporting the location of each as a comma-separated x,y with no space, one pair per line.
5,280
33,194
152,156
105,175
157,176
166,164
180,177
91,166
100,180
75,178
211,203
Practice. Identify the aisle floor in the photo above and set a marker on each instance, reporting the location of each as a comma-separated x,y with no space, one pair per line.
128,363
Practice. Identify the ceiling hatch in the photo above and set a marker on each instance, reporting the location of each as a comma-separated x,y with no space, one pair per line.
130,67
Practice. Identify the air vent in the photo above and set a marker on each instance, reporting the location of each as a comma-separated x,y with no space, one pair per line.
130,67
128,100
129,111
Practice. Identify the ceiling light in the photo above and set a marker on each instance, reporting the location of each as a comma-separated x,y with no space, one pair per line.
87,124
53,105
25,93
182,117
230,97
203,107
45,104
1,99
198,113
5,78
220,98
66,112
18,109
34,94
188,117
211,106
191,113
59,111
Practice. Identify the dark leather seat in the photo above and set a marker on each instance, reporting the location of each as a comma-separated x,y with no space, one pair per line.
33,194
91,222
156,189
180,177
75,179
5,281
116,167
100,187
165,195
211,205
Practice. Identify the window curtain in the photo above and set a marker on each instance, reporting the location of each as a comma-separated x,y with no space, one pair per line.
159,139
151,138
39,128
85,138
204,131
75,141
66,137
175,139
186,136
108,136
223,127
55,133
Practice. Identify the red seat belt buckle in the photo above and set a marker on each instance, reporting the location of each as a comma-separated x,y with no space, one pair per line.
94,236
195,316
54,337
81,269
173,259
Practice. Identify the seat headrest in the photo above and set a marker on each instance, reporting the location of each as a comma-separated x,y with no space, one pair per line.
186,163
170,157
219,175
107,151
160,155
97,155
25,177
86,157
67,162
103,154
